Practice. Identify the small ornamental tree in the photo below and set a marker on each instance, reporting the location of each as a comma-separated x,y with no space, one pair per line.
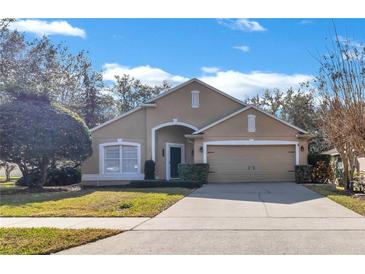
8,168
36,133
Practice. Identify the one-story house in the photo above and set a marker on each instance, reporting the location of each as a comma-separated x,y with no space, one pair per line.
196,123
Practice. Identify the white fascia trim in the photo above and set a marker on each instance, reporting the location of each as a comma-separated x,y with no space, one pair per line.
278,119
118,143
116,118
148,105
242,110
250,143
221,120
174,122
200,82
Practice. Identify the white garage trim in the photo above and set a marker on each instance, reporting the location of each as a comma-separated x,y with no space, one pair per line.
174,122
249,143
242,110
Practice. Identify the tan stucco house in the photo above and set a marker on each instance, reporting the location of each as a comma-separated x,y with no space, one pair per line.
196,123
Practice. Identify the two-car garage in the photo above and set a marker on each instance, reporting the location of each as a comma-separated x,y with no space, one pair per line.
251,163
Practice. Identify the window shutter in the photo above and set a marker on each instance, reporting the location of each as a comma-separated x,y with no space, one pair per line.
195,99
251,123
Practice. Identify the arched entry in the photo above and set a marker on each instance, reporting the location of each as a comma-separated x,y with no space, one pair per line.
171,145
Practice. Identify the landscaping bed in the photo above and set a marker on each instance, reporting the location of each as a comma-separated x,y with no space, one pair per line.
28,241
90,202
350,200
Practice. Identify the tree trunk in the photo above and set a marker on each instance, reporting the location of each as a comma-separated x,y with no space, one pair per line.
346,172
345,162
43,170
37,186
7,174
23,168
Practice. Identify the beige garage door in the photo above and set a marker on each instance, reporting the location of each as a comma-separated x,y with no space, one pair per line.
251,163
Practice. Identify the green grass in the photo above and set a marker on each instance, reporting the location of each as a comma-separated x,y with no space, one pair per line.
27,241
340,196
94,202
9,187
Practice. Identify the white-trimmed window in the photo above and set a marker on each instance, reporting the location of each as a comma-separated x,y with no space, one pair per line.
120,158
112,159
195,98
251,123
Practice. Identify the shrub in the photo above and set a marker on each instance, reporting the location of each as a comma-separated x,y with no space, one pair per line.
58,176
149,170
193,172
63,176
359,181
303,174
30,179
314,158
322,172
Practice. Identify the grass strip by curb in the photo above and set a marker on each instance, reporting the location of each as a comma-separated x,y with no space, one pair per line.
37,241
340,196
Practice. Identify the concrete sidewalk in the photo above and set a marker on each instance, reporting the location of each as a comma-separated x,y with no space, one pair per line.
121,223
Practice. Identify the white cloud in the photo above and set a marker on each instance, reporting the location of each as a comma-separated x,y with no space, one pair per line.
41,28
210,69
241,85
147,74
242,24
235,83
242,48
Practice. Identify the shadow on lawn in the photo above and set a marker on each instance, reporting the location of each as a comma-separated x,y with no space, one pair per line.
21,196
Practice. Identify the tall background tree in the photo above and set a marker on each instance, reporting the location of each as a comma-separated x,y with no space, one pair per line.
42,69
299,107
130,92
341,83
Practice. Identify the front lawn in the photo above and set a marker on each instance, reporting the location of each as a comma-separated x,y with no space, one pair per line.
340,196
94,202
26,241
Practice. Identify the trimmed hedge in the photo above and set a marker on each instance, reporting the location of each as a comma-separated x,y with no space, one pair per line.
314,158
303,174
193,172
149,170
164,183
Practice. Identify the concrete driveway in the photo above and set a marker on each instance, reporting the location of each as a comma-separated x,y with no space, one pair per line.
246,218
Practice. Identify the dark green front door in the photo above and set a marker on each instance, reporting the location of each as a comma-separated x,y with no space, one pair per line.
175,160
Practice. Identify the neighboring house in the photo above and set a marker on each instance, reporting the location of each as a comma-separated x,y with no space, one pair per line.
337,161
195,123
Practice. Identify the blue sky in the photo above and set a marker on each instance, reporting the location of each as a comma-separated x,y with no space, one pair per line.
239,56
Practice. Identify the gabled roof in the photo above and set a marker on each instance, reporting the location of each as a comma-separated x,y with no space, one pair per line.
164,94
116,118
332,152
242,110
200,82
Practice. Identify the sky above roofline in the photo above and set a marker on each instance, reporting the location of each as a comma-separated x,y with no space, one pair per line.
242,57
